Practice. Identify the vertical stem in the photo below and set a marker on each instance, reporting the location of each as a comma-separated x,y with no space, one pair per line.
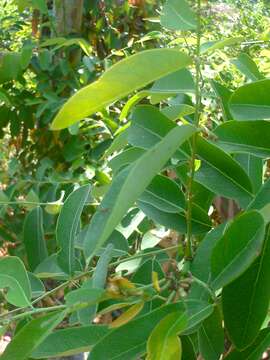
188,249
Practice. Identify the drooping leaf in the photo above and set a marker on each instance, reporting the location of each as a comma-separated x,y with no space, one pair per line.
177,15
220,173
129,184
251,101
33,238
164,343
128,315
248,67
30,336
119,81
211,337
243,319
129,341
239,246
13,277
70,341
251,137
67,227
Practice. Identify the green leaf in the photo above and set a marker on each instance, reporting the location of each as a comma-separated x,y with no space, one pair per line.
37,287
119,81
220,44
13,276
239,246
30,336
224,95
33,238
248,67
129,184
201,264
10,66
97,281
125,158
262,197
253,166
220,173
49,268
255,350
70,341
164,343
211,337
188,350
251,101
177,15
180,81
129,341
164,194
243,319
197,311
251,137
67,227
84,296
177,221
175,112
148,127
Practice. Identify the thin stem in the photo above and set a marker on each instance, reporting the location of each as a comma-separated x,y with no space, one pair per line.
86,273
188,249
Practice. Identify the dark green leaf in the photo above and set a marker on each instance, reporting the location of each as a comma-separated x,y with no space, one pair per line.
68,225
244,318
33,238
240,244
251,101
30,336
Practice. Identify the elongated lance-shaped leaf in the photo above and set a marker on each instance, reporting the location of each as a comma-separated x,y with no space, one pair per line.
30,336
67,227
13,276
33,238
244,318
121,79
129,184
239,246
70,341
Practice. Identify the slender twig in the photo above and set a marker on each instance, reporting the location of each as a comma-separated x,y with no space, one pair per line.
188,248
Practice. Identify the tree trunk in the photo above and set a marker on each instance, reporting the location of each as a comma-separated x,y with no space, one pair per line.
68,15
